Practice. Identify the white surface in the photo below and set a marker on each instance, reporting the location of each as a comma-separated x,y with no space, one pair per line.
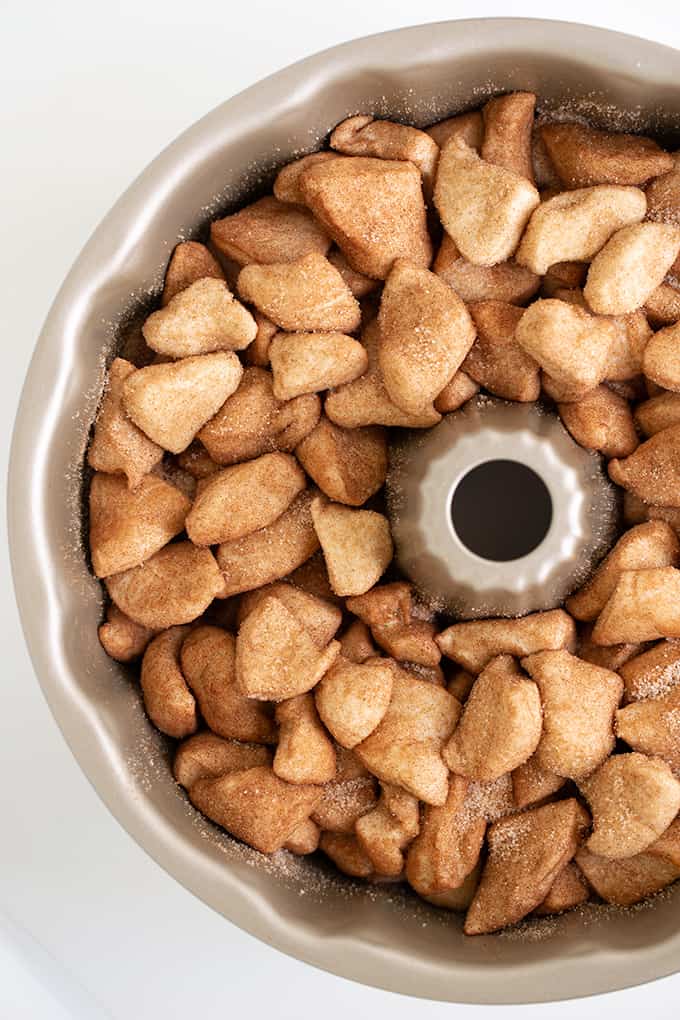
90,927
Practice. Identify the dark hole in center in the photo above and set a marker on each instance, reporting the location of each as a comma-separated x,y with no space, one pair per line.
501,510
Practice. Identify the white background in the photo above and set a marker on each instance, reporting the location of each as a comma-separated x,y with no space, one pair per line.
90,927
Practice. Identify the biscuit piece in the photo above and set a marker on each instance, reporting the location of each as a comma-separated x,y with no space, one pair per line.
653,544
653,673
475,643
661,360
356,544
190,261
272,552
506,281
268,231
601,420
241,499
118,446
405,749
571,345
287,181
385,139
121,638
662,307
633,799
627,881
348,465
344,802
128,526
255,806
652,472
347,854
307,294
569,890
385,832
632,264
575,225
353,697
644,606
579,701
658,413
448,846
425,333
318,616
653,727
532,784
356,644
458,390
310,362
174,586
304,753
501,723
526,854
172,402
167,699
276,658
584,156
204,317
206,756
373,209
209,665
483,207
469,127
508,123
496,361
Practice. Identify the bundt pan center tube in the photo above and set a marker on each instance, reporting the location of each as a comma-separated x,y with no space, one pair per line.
378,936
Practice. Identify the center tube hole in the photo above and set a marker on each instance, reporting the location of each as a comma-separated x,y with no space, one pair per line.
501,510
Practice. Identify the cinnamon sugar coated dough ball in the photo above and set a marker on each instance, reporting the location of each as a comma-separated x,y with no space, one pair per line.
315,699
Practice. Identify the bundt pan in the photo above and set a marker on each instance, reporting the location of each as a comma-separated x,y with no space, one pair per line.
381,936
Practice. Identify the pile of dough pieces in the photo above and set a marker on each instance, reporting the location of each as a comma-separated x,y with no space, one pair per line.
502,767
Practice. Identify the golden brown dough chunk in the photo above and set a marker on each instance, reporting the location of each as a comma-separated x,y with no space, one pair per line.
653,544
348,465
255,806
209,665
246,425
460,684
413,643
257,353
661,361
172,402
583,156
632,264
526,854
356,544
496,361
425,333
635,511
353,697
206,756
532,784
356,644
366,400
571,345
601,420
667,846
457,899
359,284
653,471
272,552
644,606
387,604
190,261
653,727
447,848
196,461
304,753
500,726
344,802
467,126
483,207
633,799
569,890
306,294
663,196
505,281
405,749
319,617
658,413
304,839
243,498
579,701
346,853
475,643
608,656
204,317
174,586
385,139
287,182
309,362
575,225
460,388
276,657
652,673
373,209
662,307
508,123
268,231
563,277
118,446
385,832
121,638
628,881
167,699
128,526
